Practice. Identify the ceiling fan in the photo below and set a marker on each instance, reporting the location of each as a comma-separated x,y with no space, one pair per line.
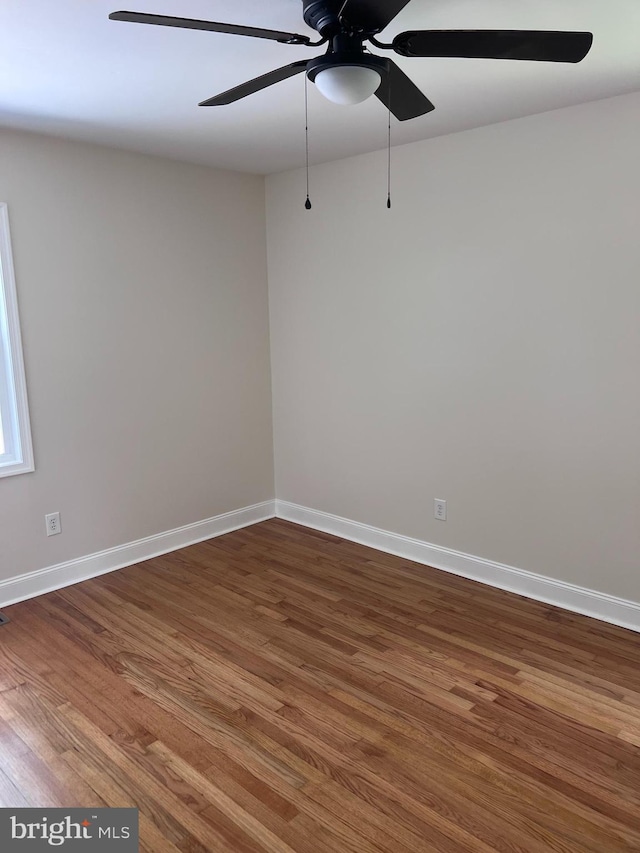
348,74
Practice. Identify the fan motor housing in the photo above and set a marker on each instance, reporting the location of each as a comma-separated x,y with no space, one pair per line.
322,16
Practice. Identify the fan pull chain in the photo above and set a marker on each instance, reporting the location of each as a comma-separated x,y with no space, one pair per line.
389,147
307,203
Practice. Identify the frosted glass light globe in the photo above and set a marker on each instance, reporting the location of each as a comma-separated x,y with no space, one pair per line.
347,84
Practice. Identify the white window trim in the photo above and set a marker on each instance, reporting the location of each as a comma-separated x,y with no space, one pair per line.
18,455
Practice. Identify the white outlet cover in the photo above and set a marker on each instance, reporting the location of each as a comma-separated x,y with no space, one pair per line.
440,509
52,520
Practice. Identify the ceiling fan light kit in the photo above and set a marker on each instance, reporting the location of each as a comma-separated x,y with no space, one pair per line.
347,79
346,84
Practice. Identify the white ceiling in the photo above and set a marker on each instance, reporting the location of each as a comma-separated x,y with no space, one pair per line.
65,69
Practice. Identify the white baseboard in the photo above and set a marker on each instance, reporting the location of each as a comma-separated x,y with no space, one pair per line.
599,605
64,574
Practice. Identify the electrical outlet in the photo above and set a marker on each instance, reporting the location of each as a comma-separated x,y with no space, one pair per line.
439,509
53,523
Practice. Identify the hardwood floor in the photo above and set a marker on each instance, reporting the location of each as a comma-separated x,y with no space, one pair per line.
282,690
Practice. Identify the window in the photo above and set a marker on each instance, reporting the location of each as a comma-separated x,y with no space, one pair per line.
16,455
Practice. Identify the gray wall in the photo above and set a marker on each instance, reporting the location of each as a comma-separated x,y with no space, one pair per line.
142,294
479,342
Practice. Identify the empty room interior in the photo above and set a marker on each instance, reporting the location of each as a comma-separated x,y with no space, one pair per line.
319,426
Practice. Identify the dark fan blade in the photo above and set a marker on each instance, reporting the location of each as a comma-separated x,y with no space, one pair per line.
211,26
400,94
372,15
255,85
495,44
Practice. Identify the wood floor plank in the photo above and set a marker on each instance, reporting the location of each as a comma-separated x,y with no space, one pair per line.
280,689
